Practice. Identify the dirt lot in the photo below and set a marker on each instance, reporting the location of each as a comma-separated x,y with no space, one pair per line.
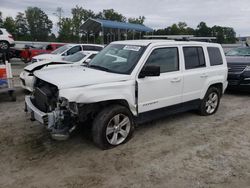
185,150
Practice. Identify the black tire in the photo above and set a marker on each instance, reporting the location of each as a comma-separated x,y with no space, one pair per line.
203,109
4,46
104,119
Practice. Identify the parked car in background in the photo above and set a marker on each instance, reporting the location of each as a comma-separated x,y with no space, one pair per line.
18,50
129,82
79,58
28,53
239,68
66,50
6,39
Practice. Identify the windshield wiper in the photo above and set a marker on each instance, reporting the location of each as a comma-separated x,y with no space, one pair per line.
99,68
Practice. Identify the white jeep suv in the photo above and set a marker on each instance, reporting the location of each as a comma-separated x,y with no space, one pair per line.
129,82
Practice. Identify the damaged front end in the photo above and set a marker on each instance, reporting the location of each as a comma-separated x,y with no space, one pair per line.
57,114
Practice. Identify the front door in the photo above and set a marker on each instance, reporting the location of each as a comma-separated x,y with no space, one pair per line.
166,89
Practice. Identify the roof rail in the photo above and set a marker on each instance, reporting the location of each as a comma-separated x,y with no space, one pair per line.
181,38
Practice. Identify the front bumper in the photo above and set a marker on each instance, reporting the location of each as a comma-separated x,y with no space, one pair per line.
47,119
238,80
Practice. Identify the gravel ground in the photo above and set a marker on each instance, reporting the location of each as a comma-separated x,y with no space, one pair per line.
185,150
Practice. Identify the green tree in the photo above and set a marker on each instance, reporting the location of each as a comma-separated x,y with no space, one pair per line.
224,34
38,23
65,33
203,30
10,25
139,20
79,16
174,30
21,27
111,14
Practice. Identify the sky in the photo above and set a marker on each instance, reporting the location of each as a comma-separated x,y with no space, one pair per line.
159,14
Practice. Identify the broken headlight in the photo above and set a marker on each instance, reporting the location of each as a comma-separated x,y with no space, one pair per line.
71,106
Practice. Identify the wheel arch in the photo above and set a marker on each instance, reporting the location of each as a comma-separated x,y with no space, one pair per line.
218,85
90,110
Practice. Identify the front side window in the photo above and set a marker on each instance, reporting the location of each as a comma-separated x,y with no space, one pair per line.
194,57
49,47
75,57
117,58
166,58
214,56
61,49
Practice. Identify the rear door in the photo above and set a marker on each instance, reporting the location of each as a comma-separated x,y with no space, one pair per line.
166,89
195,74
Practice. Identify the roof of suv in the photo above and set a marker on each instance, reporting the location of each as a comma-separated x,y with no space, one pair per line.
162,42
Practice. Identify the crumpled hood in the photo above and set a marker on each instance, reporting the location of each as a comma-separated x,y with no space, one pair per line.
32,66
38,65
78,76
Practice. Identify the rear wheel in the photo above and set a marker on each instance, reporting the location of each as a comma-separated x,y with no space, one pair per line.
210,102
112,126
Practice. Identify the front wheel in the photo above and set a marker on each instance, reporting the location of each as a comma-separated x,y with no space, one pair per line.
112,126
4,46
210,103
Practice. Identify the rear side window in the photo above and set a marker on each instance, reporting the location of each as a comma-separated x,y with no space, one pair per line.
74,50
166,58
194,57
1,32
91,48
214,56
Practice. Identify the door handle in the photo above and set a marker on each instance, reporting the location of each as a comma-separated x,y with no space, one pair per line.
204,75
174,80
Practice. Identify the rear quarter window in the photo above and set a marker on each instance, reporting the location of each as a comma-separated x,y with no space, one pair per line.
1,32
214,56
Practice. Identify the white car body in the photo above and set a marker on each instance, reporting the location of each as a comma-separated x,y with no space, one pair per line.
66,50
143,96
5,36
27,75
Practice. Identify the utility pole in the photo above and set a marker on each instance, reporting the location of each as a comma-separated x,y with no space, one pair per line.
58,14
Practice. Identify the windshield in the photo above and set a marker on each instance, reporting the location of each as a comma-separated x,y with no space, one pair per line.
61,49
239,52
117,58
75,57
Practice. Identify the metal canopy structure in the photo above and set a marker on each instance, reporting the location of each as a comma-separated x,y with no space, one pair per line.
98,24
113,29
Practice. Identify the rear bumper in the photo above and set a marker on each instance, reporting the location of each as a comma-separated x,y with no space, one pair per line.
47,119
12,44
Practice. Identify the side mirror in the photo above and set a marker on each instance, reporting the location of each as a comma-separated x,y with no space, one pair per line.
87,61
150,70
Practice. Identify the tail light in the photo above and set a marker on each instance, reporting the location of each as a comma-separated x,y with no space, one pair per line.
11,37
